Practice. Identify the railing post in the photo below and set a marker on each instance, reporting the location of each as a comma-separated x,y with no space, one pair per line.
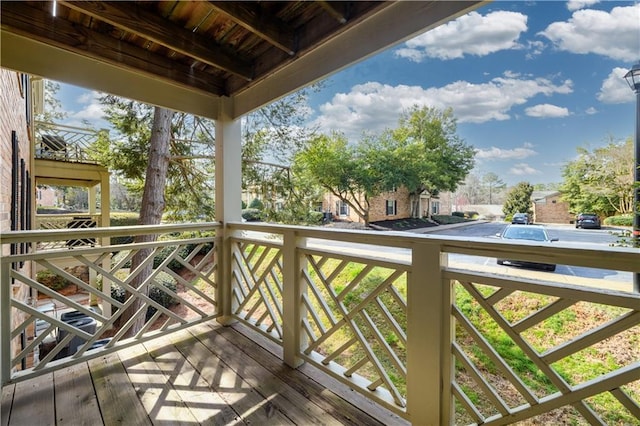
428,338
224,258
292,307
5,323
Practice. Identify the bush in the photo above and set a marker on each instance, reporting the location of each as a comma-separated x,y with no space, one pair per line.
471,214
251,215
448,220
256,204
622,220
314,218
155,293
458,214
53,281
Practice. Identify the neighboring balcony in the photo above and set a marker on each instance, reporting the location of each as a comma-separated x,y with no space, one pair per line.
277,324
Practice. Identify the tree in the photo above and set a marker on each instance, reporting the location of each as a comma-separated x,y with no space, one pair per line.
153,202
601,181
518,199
492,182
433,157
52,106
353,173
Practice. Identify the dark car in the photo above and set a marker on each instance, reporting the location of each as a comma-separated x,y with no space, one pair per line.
588,220
521,218
526,233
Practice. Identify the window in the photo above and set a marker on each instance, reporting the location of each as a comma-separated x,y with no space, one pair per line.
435,207
392,207
342,208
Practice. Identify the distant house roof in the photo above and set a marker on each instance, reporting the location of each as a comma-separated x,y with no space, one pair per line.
540,195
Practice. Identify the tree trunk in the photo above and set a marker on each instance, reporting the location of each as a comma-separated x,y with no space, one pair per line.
151,209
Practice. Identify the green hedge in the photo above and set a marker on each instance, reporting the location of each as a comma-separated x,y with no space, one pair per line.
251,215
622,220
53,281
448,220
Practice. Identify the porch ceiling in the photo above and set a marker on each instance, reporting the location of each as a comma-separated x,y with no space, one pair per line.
187,55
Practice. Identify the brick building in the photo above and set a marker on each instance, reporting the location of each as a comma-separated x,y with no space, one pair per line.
16,177
548,207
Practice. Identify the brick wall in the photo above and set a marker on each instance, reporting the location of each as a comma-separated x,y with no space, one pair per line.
551,210
13,117
377,208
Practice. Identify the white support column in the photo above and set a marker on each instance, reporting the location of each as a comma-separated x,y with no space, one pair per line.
5,323
105,221
292,308
228,158
427,342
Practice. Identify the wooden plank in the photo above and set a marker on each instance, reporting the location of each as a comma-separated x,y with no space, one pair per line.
7,401
340,406
117,397
283,397
33,402
232,388
206,405
75,397
158,397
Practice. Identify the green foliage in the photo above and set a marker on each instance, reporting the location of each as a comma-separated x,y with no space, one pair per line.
601,180
448,220
256,204
620,220
162,279
251,215
458,214
518,199
51,280
430,154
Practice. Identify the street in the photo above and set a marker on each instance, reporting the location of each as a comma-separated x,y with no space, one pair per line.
566,233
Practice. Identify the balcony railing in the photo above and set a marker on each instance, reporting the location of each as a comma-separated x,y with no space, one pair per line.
395,317
64,143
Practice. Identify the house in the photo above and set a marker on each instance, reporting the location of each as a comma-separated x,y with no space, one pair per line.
548,207
371,317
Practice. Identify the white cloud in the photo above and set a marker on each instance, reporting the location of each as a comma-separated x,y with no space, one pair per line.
471,34
591,111
375,106
523,169
580,4
614,89
546,111
612,34
495,153
91,110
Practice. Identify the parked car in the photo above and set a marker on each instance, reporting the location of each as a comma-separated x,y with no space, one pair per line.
527,233
588,220
521,218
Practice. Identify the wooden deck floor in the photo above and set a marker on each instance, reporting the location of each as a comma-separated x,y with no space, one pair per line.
205,375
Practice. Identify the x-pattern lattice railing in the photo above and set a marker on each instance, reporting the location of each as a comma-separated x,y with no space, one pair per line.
357,319
504,317
64,143
257,285
182,273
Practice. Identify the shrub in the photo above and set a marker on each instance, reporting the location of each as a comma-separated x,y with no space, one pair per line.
155,293
256,204
53,281
314,218
447,220
622,220
471,214
458,214
251,215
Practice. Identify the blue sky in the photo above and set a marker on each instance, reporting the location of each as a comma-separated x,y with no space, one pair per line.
529,82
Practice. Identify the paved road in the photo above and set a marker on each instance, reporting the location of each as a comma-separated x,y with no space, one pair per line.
591,237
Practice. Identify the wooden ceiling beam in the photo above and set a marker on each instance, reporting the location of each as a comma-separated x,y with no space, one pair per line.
268,28
339,16
22,19
136,20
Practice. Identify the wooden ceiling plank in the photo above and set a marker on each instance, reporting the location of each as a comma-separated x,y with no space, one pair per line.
20,18
339,16
133,19
268,28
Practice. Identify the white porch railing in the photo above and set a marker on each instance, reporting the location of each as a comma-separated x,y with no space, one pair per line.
64,143
69,329
439,343
391,315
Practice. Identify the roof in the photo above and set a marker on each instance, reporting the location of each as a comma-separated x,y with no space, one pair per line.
187,55
540,195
